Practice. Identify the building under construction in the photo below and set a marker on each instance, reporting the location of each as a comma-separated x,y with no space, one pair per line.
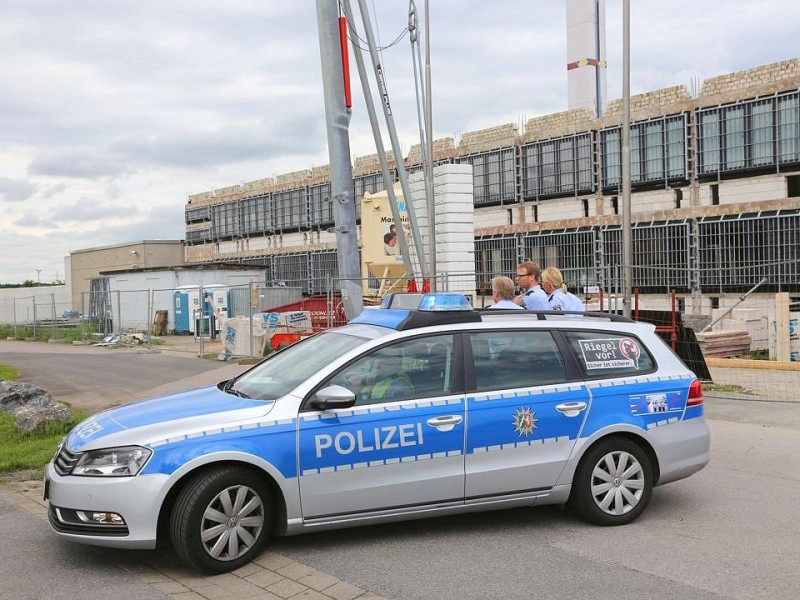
715,196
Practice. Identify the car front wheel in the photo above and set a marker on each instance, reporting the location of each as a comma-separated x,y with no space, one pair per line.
613,483
221,520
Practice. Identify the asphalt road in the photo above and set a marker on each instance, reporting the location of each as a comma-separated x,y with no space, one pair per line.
730,531
91,378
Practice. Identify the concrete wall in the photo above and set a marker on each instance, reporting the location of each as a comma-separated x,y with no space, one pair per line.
90,262
21,305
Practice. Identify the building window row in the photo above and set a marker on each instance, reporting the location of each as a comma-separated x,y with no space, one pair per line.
754,134
730,254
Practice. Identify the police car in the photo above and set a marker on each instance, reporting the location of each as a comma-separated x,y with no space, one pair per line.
420,408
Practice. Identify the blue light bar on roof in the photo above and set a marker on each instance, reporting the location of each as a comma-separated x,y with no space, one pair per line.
444,301
389,317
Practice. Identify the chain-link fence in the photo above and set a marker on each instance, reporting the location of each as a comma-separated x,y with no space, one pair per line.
752,350
39,316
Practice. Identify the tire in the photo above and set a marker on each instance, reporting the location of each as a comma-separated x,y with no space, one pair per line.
221,520
613,483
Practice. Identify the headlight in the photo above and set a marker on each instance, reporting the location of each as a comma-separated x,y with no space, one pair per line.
125,461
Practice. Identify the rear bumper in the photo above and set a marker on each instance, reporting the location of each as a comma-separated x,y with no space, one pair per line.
682,448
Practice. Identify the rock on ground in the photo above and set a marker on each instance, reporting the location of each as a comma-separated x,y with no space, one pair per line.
31,405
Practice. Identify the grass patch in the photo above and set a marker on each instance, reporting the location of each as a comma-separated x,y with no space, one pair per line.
756,355
42,333
725,387
8,373
25,451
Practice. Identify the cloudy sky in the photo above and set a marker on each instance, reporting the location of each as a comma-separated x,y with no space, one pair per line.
112,111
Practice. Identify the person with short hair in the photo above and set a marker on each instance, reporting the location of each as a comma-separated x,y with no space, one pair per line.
503,293
534,297
558,297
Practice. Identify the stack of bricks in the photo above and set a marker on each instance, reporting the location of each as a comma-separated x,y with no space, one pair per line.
257,187
492,138
291,181
763,80
667,101
443,149
558,124
371,163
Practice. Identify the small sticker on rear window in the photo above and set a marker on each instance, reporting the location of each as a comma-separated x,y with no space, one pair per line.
614,353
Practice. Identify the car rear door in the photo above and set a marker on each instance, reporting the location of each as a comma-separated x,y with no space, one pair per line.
524,415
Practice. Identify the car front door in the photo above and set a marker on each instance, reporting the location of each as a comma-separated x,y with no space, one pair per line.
402,444
523,415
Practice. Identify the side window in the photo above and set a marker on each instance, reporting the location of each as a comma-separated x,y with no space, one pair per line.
515,359
416,368
604,354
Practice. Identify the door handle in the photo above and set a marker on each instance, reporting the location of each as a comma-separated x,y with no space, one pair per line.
571,409
446,423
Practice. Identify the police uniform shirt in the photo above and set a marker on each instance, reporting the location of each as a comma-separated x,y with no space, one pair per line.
506,304
564,301
535,299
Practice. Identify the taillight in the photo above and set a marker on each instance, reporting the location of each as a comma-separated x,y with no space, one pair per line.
695,394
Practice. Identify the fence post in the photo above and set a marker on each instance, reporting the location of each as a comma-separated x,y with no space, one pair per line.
83,317
14,309
53,313
782,318
33,299
150,301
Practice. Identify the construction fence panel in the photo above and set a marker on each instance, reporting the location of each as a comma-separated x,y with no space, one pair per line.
40,316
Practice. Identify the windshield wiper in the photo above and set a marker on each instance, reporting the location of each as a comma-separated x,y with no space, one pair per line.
229,389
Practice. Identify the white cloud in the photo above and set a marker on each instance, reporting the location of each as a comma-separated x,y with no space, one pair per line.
15,190
111,112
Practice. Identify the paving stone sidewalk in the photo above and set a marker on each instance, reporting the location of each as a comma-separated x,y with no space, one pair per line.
271,576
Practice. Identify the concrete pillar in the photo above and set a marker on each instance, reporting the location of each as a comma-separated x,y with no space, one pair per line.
453,194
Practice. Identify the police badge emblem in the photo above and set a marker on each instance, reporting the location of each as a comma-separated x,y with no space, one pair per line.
524,421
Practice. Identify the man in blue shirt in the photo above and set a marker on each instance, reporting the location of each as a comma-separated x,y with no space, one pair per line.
503,293
534,297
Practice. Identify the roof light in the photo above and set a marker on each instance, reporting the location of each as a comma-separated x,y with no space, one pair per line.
444,301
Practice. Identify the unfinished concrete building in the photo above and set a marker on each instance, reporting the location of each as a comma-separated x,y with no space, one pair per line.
715,200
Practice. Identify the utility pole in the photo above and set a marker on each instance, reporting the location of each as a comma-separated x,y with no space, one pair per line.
376,134
337,122
387,113
429,150
627,243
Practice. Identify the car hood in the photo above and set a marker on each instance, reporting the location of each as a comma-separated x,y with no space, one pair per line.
148,421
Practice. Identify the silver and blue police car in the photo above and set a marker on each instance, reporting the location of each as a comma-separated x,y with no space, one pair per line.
402,413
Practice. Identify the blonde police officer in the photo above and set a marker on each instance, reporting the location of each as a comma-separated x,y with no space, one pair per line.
558,297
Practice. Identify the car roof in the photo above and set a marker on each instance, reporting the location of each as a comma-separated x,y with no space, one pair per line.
438,309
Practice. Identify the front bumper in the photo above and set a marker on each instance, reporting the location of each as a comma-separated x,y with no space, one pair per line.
137,499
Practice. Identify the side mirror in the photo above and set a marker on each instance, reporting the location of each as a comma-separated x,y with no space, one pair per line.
333,396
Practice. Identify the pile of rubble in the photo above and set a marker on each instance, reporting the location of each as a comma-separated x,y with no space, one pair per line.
31,406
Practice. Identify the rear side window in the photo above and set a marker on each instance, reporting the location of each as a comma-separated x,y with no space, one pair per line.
515,359
604,354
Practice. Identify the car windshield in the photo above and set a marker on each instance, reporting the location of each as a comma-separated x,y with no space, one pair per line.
283,372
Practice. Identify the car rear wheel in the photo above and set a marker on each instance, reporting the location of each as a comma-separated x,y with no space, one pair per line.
613,483
221,519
